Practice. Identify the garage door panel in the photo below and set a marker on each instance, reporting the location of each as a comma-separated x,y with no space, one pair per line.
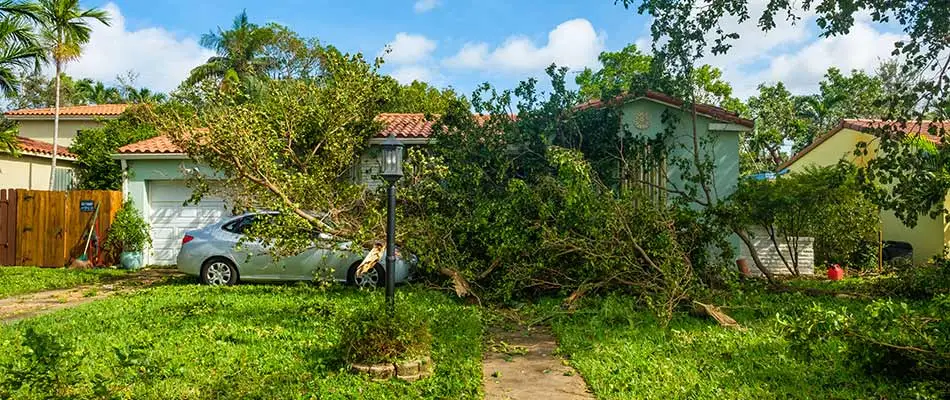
170,219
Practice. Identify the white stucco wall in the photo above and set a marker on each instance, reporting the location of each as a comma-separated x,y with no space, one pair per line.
770,256
27,172
42,130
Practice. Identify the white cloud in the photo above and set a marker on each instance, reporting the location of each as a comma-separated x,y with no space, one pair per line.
409,48
422,6
793,52
573,44
863,49
409,73
160,59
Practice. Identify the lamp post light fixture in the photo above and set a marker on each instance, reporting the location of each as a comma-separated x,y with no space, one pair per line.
392,171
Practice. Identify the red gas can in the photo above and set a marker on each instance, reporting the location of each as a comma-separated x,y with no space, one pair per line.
835,272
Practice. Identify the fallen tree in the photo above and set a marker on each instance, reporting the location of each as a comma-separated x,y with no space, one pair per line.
289,149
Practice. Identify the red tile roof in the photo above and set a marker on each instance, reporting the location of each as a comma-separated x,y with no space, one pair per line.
866,125
96,110
28,145
160,144
404,126
716,113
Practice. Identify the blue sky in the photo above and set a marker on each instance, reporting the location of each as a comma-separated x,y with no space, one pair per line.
458,43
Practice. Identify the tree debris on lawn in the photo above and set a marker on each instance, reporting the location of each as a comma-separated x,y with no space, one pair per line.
371,259
717,314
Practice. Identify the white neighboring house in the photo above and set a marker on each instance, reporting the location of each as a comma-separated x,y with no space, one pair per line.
35,137
154,182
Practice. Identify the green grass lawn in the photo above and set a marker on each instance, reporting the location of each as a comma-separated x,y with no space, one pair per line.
21,280
250,341
623,353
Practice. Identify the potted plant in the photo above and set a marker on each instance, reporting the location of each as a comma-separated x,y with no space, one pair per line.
129,234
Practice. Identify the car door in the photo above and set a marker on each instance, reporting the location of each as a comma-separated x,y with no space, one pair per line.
252,259
326,260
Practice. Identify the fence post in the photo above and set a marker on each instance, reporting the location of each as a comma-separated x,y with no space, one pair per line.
8,225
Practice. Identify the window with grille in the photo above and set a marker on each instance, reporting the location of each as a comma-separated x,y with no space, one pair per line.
646,172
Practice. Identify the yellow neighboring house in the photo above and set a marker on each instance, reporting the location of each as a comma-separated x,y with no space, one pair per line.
35,137
930,235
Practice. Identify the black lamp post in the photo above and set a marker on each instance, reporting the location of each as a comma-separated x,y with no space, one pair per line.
392,171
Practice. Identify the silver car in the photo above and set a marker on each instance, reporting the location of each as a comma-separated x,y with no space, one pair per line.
214,254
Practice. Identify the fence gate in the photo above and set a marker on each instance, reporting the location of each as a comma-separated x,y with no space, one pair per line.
8,226
51,226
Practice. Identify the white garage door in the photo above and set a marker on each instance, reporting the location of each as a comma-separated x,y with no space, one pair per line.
170,220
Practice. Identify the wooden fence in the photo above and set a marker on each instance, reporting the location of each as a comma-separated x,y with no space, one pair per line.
7,226
51,227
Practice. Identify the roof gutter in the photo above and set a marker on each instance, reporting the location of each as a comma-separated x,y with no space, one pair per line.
150,156
16,117
42,155
671,105
413,140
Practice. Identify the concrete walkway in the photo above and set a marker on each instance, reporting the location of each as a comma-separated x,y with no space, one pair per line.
521,365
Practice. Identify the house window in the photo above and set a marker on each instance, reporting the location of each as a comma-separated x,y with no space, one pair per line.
62,179
646,172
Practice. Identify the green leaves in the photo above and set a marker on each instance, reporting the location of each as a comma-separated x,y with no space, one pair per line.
824,203
129,231
291,149
97,170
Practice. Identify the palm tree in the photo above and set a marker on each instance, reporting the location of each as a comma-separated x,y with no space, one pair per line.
95,92
19,50
19,46
65,29
8,139
240,54
821,111
144,95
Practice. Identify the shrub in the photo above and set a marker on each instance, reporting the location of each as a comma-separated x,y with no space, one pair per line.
885,337
371,336
129,231
824,203
923,281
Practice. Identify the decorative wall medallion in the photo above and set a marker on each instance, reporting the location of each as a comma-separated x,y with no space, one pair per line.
642,120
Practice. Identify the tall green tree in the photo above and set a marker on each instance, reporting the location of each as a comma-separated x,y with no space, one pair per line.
96,92
240,57
144,95
630,69
94,148
291,56
65,27
619,71
419,97
822,113
777,123
38,91
861,95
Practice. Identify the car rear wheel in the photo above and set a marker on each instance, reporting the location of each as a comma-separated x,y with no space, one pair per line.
219,272
375,277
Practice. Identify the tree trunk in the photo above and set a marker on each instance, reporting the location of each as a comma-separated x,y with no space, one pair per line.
744,236
778,249
52,171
